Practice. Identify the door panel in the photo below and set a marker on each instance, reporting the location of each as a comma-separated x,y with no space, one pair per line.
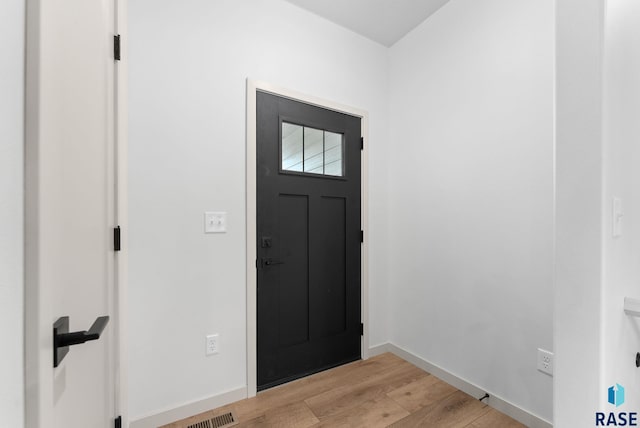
73,186
293,243
308,212
330,263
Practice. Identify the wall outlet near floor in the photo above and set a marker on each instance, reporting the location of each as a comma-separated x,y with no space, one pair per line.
212,345
545,361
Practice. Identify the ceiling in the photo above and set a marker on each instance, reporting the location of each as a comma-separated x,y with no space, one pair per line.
384,21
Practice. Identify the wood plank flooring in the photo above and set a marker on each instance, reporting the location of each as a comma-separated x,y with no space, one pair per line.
382,391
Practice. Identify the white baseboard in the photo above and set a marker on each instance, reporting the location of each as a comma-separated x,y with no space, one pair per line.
189,409
500,404
379,349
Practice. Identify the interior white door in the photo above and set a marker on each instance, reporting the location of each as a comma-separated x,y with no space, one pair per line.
71,210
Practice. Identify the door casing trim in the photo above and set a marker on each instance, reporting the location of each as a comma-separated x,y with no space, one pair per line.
254,86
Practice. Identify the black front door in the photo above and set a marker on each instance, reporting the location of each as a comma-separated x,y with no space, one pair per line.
308,210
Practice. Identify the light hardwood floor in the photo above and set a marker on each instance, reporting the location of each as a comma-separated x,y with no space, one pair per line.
379,392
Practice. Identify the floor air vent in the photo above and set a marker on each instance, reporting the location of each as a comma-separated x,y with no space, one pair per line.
225,420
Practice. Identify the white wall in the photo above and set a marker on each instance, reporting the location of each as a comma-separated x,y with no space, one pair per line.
471,217
579,209
11,193
189,61
621,333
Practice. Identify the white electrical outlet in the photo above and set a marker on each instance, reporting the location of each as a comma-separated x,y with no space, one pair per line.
212,345
545,361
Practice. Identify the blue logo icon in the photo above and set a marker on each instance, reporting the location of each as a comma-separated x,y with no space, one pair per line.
616,395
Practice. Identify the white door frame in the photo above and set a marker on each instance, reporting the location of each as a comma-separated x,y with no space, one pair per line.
122,213
253,87
37,300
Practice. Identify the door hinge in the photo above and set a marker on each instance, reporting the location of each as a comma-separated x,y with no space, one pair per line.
362,236
116,47
361,143
361,329
118,422
116,239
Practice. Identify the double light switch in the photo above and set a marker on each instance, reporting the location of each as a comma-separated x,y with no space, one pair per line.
215,222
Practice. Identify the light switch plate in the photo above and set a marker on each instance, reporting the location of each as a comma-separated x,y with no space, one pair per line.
617,215
215,222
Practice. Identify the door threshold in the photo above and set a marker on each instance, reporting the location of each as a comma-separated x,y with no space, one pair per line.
286,380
